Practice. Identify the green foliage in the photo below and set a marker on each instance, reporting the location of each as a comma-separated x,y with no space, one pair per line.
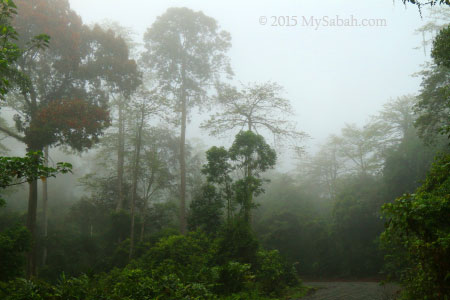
236,242
233,277
357,225
176,267
72,288
188,47
218,167
251,151
14,242
16,170
249,155
9,51
129,284
417,235
441,48
188,257
55,108
138,284
434,99
206,210
23,289
274,274
323,237
406,165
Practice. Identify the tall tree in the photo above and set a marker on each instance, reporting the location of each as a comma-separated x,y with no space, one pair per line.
433,103
248,152
10,51
256,107
326,166
157,168
121,89
361,147
45,209
441,48
65,102
218,171
252,155
396,119
186,51
146,105
434,98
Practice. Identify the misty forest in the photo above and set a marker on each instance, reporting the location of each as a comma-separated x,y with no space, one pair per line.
164,162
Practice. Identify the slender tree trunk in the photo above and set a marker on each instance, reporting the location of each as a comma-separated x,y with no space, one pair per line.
31,225
45,209
32,198
183,224
135,176
228,194
141,238
248,213
146,199
120,158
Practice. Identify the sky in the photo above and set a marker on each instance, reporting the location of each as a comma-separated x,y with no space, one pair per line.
331,74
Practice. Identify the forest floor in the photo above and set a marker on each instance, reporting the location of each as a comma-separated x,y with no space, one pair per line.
351,291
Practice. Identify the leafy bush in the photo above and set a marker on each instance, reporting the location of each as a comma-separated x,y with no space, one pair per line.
233,277
237,243
13,244
138,284
417,236
273,273
176,267
74,288
23,289
189,257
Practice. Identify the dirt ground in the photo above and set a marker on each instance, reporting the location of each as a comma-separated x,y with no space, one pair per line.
352,291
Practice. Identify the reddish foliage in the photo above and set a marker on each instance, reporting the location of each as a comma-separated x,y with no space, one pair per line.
71,121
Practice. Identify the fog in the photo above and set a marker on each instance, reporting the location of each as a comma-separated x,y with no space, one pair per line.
299,148
332,75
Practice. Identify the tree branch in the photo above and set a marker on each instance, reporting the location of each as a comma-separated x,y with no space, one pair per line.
12,134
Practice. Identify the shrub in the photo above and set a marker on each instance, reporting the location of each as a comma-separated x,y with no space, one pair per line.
236,242
13,244
417,235
273,273
189,257
23,289
233,277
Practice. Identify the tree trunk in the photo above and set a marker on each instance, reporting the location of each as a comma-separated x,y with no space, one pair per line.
248,213
45,209
135,177
31,225
32,198
141,238
147,196
183,225
120,158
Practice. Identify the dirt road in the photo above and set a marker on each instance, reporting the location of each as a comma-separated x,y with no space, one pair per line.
351,291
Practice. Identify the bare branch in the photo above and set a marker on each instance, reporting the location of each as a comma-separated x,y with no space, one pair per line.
13,134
